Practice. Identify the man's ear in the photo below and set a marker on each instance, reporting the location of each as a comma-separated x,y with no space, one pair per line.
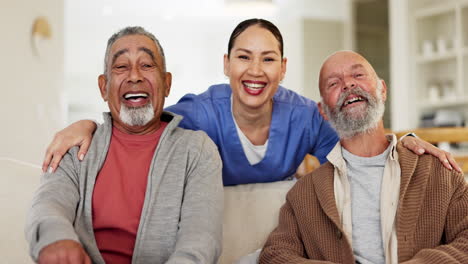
226,65
322,112
168,81
384,90
102,82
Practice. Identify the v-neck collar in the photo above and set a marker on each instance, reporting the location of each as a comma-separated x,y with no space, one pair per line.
271,133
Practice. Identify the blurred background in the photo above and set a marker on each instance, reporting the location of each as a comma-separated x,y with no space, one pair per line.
53,51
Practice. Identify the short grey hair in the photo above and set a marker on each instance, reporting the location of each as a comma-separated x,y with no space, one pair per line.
132,31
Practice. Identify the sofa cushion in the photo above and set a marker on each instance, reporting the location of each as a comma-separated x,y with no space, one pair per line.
18,183
250,214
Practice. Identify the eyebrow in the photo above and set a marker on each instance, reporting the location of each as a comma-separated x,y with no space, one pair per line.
149,52
332,76
357,66
353,67
117,54
263,52
122,51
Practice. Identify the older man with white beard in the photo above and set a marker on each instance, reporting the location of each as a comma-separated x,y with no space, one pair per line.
374,201
147,191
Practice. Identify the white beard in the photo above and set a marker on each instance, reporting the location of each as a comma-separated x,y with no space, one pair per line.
357,120
136,116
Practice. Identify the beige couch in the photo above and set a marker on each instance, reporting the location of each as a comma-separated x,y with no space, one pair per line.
251,212
17,185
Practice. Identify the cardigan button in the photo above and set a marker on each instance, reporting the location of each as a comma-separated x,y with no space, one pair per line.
339,234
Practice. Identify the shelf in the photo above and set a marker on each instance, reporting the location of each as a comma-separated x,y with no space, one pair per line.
437,26
444,103
441,9
449,55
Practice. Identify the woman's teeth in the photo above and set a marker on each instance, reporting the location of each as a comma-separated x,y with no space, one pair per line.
254,85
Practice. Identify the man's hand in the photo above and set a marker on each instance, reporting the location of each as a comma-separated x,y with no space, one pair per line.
64,252
79,134
419,147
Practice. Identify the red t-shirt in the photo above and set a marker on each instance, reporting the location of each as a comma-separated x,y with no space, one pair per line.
119,193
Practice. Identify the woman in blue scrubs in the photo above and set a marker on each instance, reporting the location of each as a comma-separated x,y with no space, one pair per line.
263,131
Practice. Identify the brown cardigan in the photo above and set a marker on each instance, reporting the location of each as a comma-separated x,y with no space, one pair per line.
432,217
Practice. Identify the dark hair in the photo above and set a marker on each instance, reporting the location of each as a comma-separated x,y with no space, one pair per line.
252,22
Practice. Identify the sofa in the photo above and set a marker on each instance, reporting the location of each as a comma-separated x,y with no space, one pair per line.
18,182
251,213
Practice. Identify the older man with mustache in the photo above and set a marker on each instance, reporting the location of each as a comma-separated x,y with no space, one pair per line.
374,201
148,191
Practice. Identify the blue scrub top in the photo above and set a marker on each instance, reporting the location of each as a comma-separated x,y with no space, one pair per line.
297,128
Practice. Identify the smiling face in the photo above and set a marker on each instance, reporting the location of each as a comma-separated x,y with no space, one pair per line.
352,95
135,84
254,67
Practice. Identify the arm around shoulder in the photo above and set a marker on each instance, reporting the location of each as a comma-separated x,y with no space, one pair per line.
79,134
200,229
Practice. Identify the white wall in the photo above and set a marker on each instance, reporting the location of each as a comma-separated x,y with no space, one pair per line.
317,49
194,35
32,85
43,93
402,115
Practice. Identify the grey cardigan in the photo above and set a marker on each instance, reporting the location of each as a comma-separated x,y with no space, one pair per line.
181,220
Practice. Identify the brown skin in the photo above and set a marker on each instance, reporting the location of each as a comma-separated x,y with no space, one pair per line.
64,252
66,139
134,70
137,67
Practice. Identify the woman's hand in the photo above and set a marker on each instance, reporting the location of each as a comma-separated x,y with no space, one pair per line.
79,134
419,147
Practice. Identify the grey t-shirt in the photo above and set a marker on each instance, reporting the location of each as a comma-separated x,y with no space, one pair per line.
365,179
